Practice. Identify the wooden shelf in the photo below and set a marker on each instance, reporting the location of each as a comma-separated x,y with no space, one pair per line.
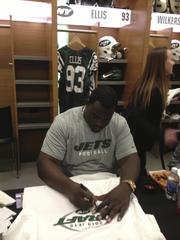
75,30
5,26
170,120
175,103
101,60
156,35
31,126
29,84
31,58
33,104
111,82
33,82
120,103
175,82
105,67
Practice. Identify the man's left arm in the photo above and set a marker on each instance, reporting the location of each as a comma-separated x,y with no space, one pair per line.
127,167
117,200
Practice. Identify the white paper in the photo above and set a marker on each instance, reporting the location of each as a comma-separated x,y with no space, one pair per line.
5,199
5,217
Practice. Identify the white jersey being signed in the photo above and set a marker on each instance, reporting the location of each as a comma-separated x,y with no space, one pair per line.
48,214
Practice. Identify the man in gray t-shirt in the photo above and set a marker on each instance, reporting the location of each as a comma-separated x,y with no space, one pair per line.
87,140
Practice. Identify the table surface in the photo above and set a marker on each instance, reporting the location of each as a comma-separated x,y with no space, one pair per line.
164,210
154,203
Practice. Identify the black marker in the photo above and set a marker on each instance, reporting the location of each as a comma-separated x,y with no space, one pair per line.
86,189
83,187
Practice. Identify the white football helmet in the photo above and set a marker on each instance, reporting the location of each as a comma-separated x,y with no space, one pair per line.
160,6
108,47
175,47
174,5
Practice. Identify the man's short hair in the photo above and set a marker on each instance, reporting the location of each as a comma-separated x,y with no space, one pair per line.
105,95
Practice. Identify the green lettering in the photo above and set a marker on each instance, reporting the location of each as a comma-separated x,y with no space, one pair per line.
60,222
92,218
63,222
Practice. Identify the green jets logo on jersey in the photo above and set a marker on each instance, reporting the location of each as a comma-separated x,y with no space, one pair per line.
80,220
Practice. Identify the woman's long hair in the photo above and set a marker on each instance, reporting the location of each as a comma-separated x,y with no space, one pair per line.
154,75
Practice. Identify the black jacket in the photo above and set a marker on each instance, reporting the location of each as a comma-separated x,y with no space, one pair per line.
145,123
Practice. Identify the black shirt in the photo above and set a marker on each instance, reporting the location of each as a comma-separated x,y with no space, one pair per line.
145,122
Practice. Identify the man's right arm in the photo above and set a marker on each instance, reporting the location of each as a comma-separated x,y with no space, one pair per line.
51,173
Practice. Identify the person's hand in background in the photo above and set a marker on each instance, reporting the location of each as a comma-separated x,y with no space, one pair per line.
170,138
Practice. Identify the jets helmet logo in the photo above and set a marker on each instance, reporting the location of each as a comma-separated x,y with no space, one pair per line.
64,11
80,220
104,43
175,47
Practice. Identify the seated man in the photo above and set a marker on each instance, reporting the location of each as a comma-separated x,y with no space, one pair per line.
88,140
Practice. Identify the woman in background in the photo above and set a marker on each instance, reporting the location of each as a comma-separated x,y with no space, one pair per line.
147,103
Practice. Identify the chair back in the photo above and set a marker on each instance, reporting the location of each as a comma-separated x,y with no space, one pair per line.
5,123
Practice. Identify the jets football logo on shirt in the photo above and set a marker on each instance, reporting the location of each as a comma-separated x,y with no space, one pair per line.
80,220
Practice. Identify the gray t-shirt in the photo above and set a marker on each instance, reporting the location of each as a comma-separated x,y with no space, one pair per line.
82,151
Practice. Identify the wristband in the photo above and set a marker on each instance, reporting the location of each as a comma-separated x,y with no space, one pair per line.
131,184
